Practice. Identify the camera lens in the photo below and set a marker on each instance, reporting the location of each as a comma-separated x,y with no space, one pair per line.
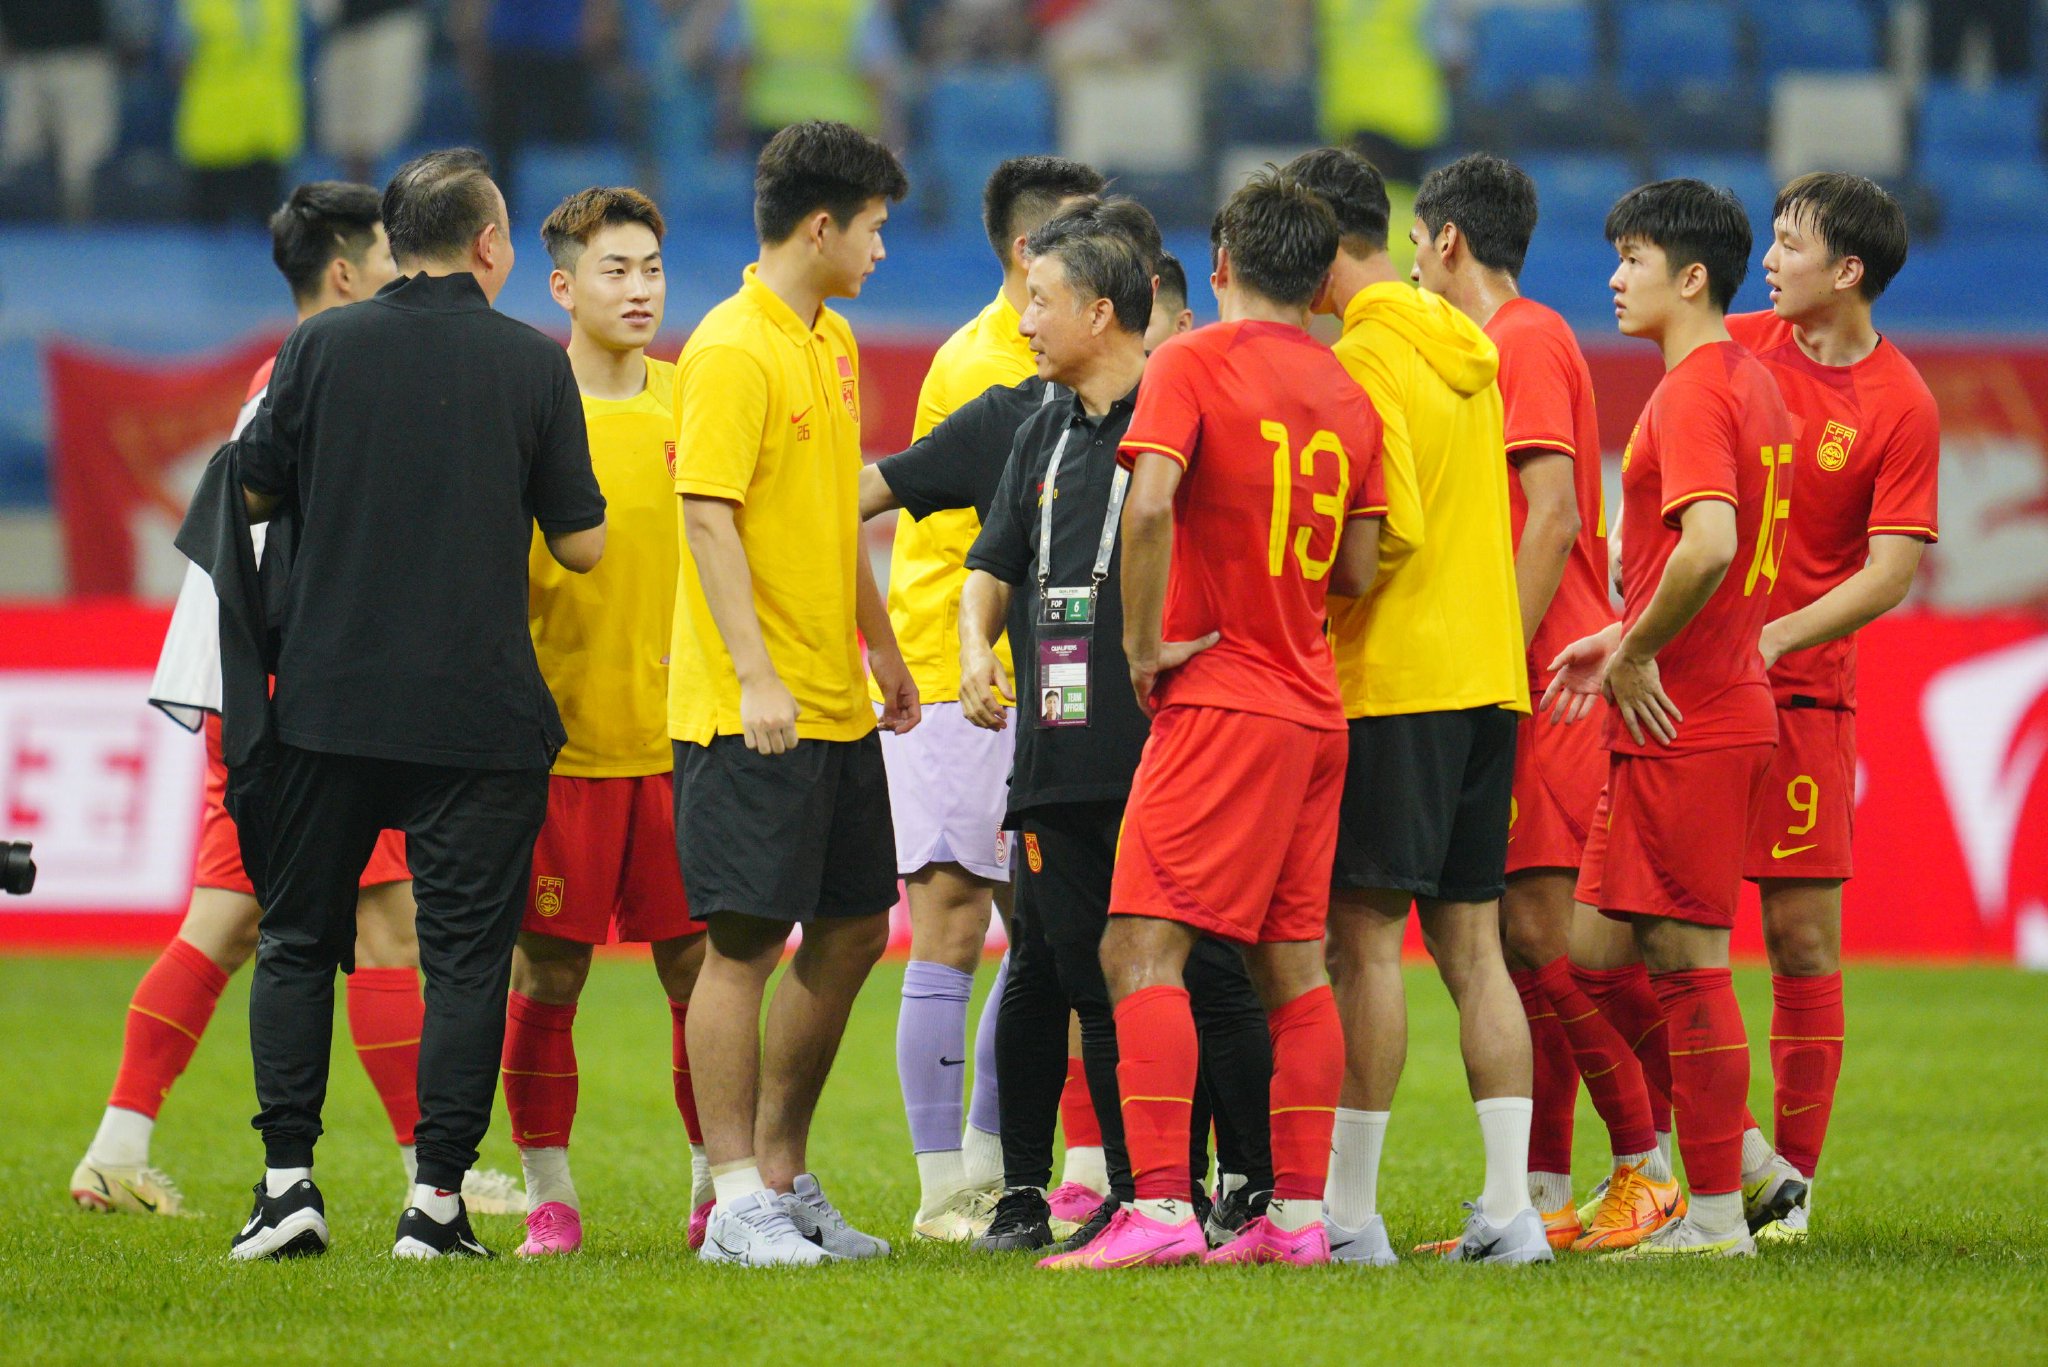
17,870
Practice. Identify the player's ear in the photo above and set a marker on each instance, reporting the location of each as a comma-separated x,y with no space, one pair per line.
1849,273
1692,281
1447,241
562,289
340,278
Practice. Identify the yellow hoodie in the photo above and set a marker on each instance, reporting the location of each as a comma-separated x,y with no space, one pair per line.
1442,628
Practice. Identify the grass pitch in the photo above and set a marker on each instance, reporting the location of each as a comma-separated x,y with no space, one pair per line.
1929,1240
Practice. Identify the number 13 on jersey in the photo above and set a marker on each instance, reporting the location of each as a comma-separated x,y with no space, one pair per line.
1322,507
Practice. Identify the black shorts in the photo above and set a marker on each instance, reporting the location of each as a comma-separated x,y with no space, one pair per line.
790,837
1426,804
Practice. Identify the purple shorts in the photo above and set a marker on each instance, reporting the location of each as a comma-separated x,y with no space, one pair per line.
949,786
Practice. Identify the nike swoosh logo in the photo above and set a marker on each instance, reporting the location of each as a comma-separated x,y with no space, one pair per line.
1336,1244
1789,1111
1779,852
799,417
945,1062
140,1199
254,1220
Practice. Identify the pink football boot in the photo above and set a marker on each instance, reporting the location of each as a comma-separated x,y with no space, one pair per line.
1073,1205
552,1227
1262,1241
700,1220
1134,1240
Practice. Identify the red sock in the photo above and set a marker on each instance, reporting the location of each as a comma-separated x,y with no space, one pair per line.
540,1072
1155,1074
1625,997
1709,1074
1077,1110
166,1017
679,1062
1308,1073
385,1012
1806,1060
1613,1077
1555,1089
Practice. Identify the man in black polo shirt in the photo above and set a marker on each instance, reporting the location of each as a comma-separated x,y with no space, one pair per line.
415,438
1079,743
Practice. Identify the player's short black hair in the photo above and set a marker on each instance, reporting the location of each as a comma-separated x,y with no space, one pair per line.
1024,192
1694,223
1854,216
1281,236
1355,191
322,220
1492,201
1173,280
437,204
818,164
1103,258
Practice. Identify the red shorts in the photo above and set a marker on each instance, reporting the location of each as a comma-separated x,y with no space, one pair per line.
604,865
1232,826
1801,826
219,864
1669,835
1559,772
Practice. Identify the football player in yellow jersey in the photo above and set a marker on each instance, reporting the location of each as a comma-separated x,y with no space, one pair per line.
604,866
948,780
1431,666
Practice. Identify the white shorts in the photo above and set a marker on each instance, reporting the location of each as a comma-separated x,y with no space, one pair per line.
949,787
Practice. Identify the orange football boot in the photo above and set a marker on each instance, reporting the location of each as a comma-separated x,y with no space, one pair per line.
1634,1208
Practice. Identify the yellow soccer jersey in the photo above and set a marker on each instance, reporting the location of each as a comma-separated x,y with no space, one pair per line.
603,638
928,566
768,415
1442,628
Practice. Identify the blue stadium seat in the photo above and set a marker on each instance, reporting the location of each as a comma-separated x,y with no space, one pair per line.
1958,121
1668,47
974,118
1260,109
1574,193
1991,193
1813,35
547,173
1517,49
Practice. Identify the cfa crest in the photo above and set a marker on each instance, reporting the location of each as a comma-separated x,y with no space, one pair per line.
668,453
547,895
1031,854
1630,449
1835,441
849,387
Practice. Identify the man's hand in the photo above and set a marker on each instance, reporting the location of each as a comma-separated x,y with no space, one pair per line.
986,693
768,715
1579,668
901,707
1172,655
1632,685
1772,645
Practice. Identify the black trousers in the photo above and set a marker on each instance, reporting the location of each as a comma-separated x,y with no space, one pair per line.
1061,911
469,839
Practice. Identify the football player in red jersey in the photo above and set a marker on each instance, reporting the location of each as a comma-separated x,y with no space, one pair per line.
1255,472
1706,493
1868,456
1473,222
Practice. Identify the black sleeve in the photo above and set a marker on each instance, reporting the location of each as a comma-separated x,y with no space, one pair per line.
957,464
268,446
1003,548
561,489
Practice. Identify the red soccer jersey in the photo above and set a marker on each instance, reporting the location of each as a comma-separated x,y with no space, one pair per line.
1281,449
1547,392
1715,428
1868,459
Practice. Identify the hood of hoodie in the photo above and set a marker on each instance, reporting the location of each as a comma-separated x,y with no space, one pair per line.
1454,346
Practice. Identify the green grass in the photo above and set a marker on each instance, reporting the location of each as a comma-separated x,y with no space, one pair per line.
1929,1241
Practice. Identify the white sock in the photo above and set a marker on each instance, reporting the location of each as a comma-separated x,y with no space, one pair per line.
737,1180
1550,1191
1757,1154
700,1177
940,1173
547,1177
435,1204
278,1181
1088,1166
1664,1147
1292,1214
1504,1129
1352,1194
981,1155
122,1140
1656,1166
1716,1214
1167,1210
408,1158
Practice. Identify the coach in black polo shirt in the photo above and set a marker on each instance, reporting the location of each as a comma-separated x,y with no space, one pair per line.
416,438
1080,735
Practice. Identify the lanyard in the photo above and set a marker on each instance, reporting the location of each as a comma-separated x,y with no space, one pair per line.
1105,546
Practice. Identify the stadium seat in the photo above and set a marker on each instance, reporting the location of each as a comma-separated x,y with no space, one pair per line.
1844,122
1519,49
1671,47
974,118
547,173
1574,193
1261,109
1813,35
1959,121
1990,193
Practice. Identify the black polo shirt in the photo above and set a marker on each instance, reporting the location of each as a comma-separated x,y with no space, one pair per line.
1096,762
959,463
420,435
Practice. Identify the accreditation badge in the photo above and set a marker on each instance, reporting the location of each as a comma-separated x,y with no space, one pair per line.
1073,607
1063,680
